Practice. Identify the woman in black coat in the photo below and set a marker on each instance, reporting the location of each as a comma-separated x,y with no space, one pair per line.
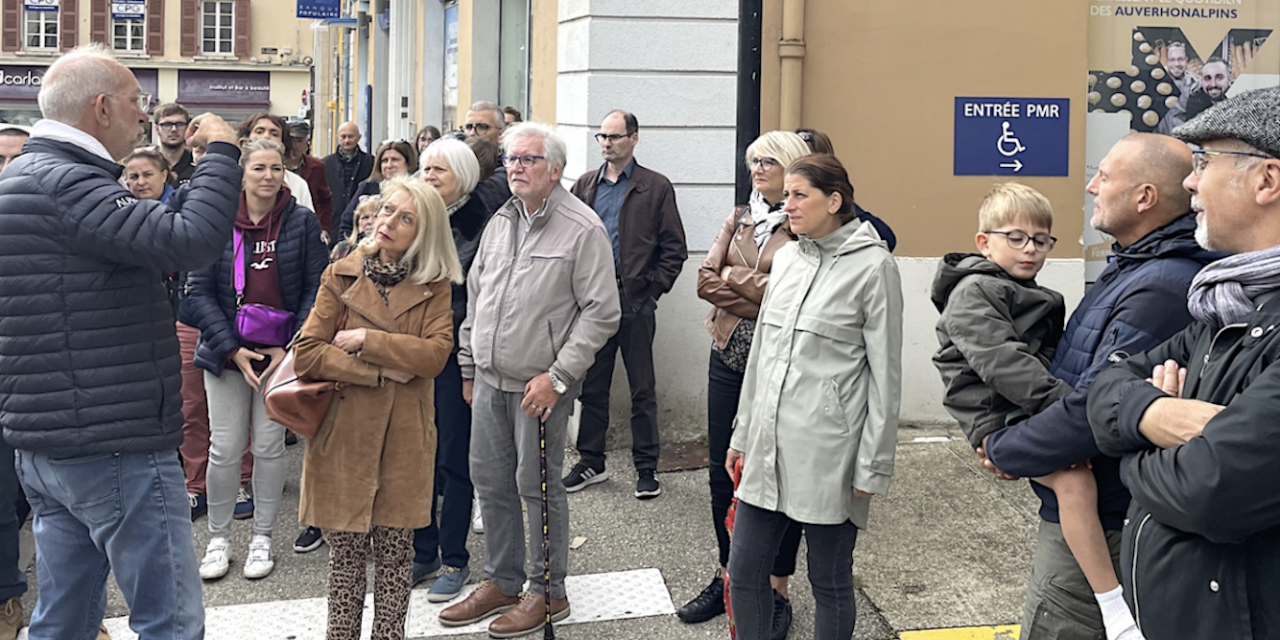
394,158
281,257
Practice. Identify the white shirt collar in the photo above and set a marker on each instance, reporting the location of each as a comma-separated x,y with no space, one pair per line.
62,132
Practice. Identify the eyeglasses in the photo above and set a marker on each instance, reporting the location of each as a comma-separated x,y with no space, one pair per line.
525,161
1200,157
478,127
1018,240
143,101
764,162
611,137
172,125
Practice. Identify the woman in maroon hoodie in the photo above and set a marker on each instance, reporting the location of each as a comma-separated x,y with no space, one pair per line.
247,307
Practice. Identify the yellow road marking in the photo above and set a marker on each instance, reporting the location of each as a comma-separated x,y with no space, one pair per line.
1008,632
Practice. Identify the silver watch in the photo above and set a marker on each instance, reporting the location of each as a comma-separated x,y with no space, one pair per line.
557,384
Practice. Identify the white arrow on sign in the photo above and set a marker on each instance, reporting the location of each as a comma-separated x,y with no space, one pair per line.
1016,165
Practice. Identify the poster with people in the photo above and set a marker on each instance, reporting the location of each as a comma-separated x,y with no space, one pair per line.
1155,64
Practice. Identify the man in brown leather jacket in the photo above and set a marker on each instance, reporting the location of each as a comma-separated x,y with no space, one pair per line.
638,208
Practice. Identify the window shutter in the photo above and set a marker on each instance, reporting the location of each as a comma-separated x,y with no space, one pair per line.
190,28
11,25
69,25
242,26
99,21
155,27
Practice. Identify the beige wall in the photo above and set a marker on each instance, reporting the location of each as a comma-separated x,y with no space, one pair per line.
465,8
542,61
881,79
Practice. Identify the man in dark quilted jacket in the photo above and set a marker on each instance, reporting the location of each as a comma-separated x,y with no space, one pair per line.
88,356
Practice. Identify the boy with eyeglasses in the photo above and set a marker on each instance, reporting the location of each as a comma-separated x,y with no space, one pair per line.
998,332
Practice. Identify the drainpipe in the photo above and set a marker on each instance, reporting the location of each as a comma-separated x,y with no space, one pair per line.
791,51
748,122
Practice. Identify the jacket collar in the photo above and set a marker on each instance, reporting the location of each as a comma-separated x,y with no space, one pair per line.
1174,239
77,154
363,297
54,130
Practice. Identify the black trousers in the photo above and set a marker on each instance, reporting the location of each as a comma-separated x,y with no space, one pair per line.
724,387
635,339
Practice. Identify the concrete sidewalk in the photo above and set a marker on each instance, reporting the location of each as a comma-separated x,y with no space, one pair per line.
949,547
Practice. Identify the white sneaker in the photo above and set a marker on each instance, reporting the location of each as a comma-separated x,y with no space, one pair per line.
217,559
259,563
477,523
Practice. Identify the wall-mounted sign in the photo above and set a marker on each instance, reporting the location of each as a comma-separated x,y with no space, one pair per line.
319,9
129,9
1012,136
40,5
248,89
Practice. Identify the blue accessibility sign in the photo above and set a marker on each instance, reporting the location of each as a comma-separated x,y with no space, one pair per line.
1012,136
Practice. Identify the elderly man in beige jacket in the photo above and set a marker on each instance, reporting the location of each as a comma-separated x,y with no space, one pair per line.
541,300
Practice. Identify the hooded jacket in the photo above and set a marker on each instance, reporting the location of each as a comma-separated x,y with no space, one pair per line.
818,416
997,335
1139,301
88,356
1200,556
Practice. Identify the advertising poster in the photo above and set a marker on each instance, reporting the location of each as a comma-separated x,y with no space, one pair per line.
1154,64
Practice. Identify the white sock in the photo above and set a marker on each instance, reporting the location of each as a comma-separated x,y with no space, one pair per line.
1116,617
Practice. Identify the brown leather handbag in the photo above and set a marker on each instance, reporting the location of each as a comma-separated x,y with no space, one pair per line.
298,404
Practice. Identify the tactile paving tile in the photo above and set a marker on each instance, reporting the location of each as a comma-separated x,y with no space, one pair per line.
594,598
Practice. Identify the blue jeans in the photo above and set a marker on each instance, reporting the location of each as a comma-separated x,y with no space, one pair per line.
13,582
122,511
447,535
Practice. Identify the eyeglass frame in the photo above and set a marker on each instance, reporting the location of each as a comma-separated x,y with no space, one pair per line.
611,137
173,125
1200,158
142,102
765,162
1008,238
525,161
481,127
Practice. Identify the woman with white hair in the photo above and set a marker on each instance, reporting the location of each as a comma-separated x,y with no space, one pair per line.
451,167
381,328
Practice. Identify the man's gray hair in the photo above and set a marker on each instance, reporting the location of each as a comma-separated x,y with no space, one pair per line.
74,80
555,149
494,111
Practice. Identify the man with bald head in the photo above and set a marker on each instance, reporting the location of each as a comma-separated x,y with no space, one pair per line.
345,169
90,384
1138,302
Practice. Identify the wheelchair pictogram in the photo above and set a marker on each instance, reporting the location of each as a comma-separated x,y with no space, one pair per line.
1008,144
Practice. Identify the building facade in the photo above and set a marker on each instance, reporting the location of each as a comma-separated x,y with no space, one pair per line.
230,57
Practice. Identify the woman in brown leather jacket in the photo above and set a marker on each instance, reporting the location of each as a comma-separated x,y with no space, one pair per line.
732,279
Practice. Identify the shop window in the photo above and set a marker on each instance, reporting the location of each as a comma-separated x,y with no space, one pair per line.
41,24
217,27
129,25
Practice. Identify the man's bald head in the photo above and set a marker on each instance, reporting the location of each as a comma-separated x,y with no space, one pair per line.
348,137
1138,187
73,80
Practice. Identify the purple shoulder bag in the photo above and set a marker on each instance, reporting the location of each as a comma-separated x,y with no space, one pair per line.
257,324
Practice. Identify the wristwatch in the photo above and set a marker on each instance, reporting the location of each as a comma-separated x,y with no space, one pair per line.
557,384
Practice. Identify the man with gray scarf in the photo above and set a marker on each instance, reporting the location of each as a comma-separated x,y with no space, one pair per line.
1196,419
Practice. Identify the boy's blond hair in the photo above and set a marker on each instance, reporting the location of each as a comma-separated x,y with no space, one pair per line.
1007,201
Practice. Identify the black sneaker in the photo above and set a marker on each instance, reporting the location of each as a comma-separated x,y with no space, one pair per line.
309,540
647,486
781,617
708,604
583,476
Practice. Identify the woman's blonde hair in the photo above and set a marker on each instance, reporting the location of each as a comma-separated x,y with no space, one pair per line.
784,146
432,255
367,207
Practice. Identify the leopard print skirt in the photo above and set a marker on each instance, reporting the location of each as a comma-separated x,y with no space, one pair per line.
392,551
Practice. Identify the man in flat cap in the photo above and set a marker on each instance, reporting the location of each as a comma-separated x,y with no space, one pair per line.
1197,419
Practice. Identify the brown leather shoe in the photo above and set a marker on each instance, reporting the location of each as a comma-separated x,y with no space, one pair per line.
528,616
11,620
485,601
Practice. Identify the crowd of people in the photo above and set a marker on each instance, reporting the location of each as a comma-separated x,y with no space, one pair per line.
148,294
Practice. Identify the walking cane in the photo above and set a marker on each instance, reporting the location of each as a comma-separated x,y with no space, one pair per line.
548,632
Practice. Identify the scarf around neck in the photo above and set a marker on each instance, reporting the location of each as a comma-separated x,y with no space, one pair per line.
767,218
384,276
1223,292
457,204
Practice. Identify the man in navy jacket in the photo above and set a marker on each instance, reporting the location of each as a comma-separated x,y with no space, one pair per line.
1138,302
88,355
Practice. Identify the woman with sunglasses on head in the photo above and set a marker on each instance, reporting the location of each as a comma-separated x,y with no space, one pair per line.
274,128
394,158
733,279
816,427
247,306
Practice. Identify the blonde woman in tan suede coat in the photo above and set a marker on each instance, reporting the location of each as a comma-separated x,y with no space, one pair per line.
367,474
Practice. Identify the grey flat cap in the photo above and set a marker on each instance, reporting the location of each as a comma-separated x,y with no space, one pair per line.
1252,117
